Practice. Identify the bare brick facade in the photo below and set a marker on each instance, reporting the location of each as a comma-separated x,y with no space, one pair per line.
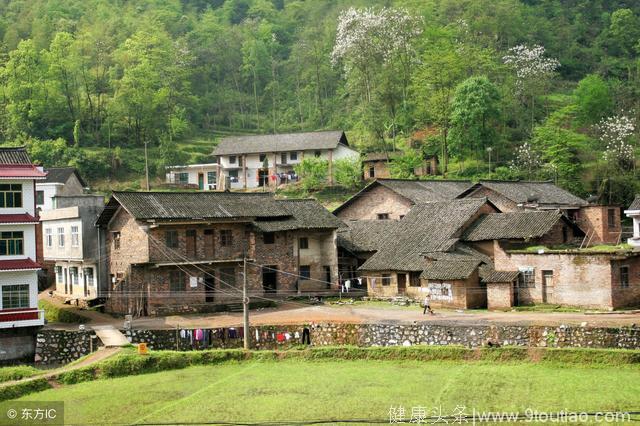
601,223
378,201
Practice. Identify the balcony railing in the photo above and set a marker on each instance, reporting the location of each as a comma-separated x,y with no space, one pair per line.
21,318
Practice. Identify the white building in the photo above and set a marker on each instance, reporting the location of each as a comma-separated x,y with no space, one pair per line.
634,213
18,247
59,181
201,176
266,160
70,243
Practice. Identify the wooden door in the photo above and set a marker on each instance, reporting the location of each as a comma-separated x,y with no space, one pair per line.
402,283
547,286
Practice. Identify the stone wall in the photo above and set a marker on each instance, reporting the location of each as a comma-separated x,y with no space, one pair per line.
59,347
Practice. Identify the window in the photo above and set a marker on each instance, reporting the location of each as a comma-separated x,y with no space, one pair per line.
372,171
176,281
191,242
15,296
233,174
11,195
59,275
305,272
228,276
61,237
39,198
283,158
212,177
75,236
73,273
611,218
208,243
414,280
383,216
233,159
240,161
226,237
171,239
401,216
624,276
48,236
317,153
269,238
116,240
262,157
386,279
11,243
526,278
183,178
293,156
304,243
88,276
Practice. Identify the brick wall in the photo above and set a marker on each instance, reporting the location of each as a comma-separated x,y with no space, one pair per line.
499,296
377,200
595,219
630,295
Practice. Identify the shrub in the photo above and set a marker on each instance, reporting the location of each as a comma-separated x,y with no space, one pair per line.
312,172
8,374
24,388
348,172
54,313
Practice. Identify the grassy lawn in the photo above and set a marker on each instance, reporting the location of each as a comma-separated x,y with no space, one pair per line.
303,390
55,313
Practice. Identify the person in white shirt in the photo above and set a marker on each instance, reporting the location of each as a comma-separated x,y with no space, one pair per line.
427,303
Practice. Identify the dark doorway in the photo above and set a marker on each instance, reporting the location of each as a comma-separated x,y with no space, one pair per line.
209,289
200,181
191,243
263,177
270,279
327,276
402,283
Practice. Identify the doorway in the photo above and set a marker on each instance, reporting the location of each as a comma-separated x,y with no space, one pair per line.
270,278
263,178
209,289
547,286
200,181
402,283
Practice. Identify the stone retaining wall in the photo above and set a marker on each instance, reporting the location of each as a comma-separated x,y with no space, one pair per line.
58,347
61,347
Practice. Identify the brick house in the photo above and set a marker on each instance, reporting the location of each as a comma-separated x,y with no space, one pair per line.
393,198
375,165
254,161
180,252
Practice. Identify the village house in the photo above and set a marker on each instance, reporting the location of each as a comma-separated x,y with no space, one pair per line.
71,245
268,160
385,199
60,181
203,177
376,165
18,219
171,252
633,212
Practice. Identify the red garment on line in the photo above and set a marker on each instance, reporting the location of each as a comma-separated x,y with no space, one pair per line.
280,337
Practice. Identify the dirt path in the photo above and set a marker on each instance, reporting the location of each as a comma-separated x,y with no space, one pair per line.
97,356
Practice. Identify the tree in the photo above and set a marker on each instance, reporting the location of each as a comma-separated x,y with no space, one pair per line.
475,116
593,99
313,173
348,172
404,166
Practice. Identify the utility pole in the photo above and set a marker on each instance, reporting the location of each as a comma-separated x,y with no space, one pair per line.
146,163
245,305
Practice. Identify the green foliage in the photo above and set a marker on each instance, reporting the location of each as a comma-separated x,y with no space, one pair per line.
54,313
403,166
313,172
16,373
593,100
348,172
23,388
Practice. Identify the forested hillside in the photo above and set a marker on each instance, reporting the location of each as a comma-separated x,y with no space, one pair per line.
538,89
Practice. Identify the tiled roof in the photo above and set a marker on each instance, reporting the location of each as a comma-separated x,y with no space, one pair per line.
17,218
14,155
360,236
62,174
541,193
490,275
18,264
450,269
517,225
430,227
280,142
381,156
305,214
635,205
8,171
416,191
199,205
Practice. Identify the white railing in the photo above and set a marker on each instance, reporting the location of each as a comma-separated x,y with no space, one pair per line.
8,320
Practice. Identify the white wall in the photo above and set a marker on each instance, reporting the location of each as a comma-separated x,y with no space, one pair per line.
343,151
29,240
28,198
193,171
50,190
68,251
21,277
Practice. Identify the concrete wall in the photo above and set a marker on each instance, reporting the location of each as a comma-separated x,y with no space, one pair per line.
17,344
379,199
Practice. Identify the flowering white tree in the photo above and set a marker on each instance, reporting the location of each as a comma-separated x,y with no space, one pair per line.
369,37
533,70
526,159
616,134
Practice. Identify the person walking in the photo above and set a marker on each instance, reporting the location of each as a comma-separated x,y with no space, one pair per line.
427,304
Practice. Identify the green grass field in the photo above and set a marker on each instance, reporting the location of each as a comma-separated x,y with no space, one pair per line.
301,390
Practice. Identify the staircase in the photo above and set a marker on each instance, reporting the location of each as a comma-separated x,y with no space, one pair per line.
110,336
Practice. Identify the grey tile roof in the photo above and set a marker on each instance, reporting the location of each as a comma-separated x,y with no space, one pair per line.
362,236
450,269
305,214
517,225
14,155
199,205
62,174
490,275
253,144
381,156
430,227
635,205
543,193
